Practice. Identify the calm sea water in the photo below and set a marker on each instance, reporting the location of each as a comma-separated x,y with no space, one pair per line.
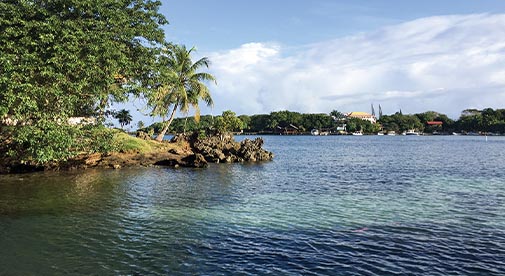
325,206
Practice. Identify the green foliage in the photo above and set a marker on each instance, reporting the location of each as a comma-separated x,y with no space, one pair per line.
140,125
284,119
65,58
49,141
486,120
178,83
44,142
98,139
317,121
62,58
356,124
401,123
259,123
123,117
228,121
337,115
127,143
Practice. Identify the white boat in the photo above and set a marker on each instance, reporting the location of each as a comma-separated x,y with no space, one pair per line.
391,133
357,133
380,133
411,133
314,132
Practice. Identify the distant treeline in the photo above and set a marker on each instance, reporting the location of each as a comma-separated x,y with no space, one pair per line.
471,120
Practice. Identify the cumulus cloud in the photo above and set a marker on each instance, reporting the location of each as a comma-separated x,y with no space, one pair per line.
443,63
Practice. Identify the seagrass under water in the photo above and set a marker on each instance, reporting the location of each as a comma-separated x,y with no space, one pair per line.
330,205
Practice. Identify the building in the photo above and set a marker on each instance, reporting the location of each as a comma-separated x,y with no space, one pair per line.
287,130
434,123
363,116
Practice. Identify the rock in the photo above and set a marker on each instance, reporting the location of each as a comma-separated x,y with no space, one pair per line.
190,151
143,135
176,151
223,148
252,151
93,159
195,161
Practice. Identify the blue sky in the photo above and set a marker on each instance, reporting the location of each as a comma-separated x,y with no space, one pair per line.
224,24
319,55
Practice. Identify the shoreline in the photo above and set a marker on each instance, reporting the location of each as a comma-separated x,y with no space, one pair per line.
181,151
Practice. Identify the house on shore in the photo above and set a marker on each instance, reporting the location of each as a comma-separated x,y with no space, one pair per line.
433,127
363,116
287,130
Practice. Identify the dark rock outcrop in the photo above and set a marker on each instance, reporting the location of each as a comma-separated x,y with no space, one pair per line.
192,151
223,148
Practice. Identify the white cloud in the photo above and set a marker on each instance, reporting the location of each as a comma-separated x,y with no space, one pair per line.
443,63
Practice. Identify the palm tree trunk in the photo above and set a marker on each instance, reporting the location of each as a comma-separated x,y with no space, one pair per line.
160,136
185,121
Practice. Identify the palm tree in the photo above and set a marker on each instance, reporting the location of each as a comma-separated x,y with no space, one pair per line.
123,117
181,86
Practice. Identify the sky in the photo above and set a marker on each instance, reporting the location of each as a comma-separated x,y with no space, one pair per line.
321,55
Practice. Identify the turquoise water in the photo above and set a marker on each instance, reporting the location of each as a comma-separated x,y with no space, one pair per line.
371,205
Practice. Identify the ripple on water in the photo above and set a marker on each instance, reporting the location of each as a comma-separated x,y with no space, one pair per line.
324,206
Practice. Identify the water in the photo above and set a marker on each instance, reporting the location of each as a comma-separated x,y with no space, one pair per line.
325,206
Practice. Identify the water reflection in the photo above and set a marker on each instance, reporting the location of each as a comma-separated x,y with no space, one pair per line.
325,205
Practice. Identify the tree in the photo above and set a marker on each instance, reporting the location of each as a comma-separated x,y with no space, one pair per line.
337,115
59,56
180,85
123,117
140,125
228,121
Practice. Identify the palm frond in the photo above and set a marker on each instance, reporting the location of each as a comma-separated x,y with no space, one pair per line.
200,63
204,77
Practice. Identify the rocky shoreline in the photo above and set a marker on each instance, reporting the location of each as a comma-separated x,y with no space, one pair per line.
181,151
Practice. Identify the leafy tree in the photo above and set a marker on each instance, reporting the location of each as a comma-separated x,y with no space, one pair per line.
246,120
140,125
317,121
356,124
180,86
337,115
470,120
259,122
58,56
123,117
400,123
284,119
228,121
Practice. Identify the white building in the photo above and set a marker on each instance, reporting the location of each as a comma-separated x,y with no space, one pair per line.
363,116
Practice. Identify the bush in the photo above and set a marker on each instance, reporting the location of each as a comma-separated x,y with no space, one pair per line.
43,142
99,139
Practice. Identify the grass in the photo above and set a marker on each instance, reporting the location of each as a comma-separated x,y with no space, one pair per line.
128,143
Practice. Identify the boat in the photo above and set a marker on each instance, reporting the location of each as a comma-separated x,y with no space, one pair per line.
411,133
391,133
380,133
314,132
357,133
